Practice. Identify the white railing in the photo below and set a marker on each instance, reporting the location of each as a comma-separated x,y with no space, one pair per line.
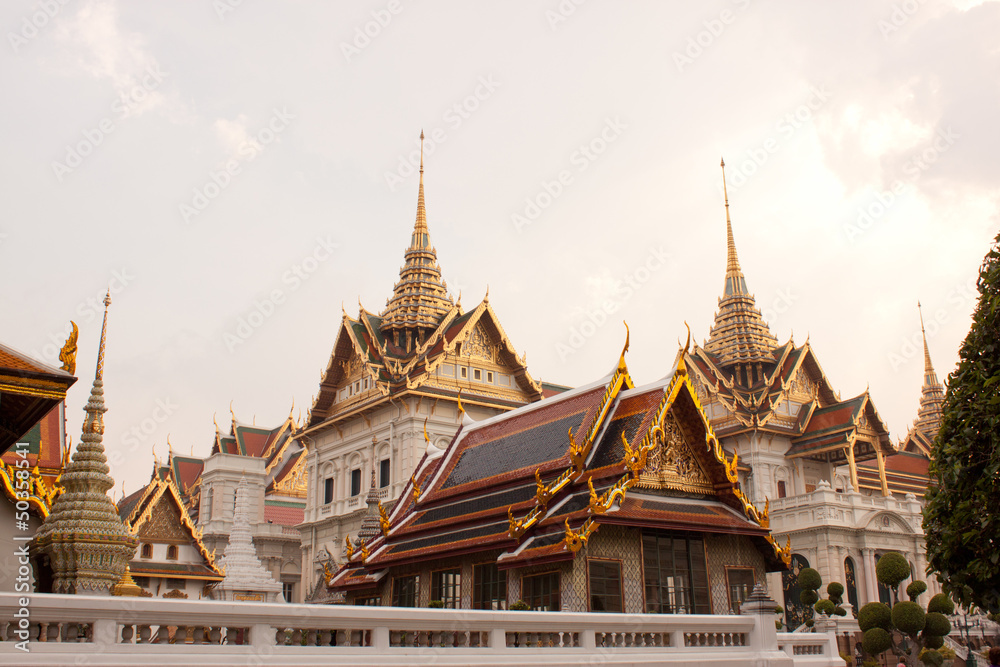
68,629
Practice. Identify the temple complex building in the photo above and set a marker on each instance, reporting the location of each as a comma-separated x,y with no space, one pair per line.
171,560
606,497
391,379
817,460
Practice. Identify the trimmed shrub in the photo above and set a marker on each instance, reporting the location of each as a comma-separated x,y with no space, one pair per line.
436,604
520,605
908,617
875,615
839,611
875,641
941,603
932,641
915,589
931,658
835,591
825,607
937,624
809,579
891,569
808,598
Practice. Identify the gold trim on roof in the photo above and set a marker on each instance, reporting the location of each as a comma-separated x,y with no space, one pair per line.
574,541
67,355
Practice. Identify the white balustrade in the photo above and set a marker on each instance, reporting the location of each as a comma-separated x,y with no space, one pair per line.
67,629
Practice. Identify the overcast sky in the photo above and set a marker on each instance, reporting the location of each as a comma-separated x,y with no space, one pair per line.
236,171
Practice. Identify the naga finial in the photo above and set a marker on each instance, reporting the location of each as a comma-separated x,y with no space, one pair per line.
67,354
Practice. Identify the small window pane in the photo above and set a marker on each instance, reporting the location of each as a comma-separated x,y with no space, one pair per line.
383,473
356,481
446,586
489,589
541,591
404,591
605,586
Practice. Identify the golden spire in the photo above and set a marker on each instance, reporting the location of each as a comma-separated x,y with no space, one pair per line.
420,299
740,334
931,394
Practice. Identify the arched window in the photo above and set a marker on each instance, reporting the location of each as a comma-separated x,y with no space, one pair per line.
851,583
172,552
147,551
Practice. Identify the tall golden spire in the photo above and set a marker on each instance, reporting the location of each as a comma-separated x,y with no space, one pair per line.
740,334
82,541
420,298
931,394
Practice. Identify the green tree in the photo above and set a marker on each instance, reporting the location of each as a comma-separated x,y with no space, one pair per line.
905,628
962,516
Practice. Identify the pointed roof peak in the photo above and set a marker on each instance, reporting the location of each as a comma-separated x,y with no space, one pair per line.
931,394
740,333
928,366
420,297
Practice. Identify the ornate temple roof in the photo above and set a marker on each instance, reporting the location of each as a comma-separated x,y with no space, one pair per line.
157,511
421,328
740,334
30,389
931,395
534,483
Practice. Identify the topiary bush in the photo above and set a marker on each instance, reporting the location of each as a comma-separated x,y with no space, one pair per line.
892,569
931,658
835,591
908,617
825,607
875,615
809,579
942,604
933,641
915,588
876,640
937,624
839,611
808,598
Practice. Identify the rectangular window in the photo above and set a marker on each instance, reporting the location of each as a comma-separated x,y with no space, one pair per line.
489,376
675,574
489,587
477,374
355,481
605,579
328,490
404,591
446,585
465,372
383,473
374,601
781,489
739,583
541,591
287,590
176,584
141,582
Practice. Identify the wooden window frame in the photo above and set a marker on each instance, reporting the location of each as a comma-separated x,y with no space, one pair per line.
416,592
729,589
146,550
621,585
558,587
476,582
174,550
458,598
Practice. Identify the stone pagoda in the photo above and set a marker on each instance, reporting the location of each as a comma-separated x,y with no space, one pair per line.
83,547
246,579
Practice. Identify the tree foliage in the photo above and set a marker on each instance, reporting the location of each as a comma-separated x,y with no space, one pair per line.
924,629
962,516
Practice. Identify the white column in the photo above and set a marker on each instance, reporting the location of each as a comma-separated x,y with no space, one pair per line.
871,583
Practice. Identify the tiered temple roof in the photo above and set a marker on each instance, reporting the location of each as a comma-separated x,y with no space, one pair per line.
908,470
534,483
751,383
414,344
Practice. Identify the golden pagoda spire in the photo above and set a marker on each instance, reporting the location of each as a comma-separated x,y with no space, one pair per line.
740,335
931,394
420,299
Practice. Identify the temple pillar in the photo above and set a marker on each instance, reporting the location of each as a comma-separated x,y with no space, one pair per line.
871,583
881,472
853,466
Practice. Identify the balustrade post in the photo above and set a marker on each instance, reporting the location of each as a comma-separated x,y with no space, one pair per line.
588,639
380,638
105,631
261,635
498,638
